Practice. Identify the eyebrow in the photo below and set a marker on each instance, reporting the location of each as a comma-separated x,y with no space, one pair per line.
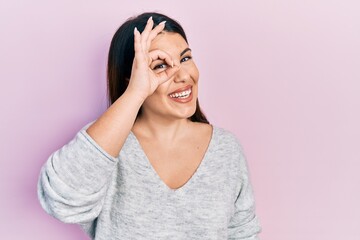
183,52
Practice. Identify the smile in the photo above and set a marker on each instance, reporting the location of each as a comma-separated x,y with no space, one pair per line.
183,94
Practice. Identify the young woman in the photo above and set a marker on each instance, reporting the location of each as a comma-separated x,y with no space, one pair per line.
151,167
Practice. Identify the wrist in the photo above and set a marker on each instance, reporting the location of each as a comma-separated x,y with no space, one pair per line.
134,96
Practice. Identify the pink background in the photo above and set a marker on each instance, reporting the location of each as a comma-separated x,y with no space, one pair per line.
283,75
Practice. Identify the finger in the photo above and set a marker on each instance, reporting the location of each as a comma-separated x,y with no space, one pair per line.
139,53
146,32
137,43
158,54
167,74
154,33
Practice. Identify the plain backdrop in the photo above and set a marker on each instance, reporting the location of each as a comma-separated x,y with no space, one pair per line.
283,75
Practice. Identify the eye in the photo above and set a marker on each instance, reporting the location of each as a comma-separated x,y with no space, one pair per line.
184,59
159,66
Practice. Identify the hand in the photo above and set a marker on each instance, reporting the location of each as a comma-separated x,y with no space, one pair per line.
144,81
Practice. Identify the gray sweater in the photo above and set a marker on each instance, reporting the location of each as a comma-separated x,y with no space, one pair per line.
124,198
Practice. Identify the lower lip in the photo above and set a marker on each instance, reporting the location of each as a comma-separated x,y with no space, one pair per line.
183,100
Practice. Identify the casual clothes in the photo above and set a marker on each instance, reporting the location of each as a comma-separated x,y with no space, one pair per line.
124,197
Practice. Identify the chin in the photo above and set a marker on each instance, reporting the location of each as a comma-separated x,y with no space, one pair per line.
187,113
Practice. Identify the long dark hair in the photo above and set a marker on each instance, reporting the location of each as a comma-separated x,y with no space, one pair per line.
121,56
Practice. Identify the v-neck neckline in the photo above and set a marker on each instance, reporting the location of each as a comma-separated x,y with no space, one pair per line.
193,177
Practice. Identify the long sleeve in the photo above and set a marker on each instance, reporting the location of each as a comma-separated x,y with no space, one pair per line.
74,180
244,224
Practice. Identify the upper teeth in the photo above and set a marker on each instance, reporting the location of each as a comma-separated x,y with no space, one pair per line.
183,94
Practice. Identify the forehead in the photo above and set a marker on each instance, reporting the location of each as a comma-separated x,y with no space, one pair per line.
172,43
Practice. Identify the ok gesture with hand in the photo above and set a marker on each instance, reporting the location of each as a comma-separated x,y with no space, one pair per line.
144,81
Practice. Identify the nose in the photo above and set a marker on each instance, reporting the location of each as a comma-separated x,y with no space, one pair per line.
182,75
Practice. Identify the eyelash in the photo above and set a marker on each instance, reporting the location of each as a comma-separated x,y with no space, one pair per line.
163,64
189,57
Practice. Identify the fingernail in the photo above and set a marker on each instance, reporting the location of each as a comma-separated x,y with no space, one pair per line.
150,18
135,30
163,22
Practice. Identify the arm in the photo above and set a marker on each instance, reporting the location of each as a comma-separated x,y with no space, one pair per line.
74,181
244,224
112,128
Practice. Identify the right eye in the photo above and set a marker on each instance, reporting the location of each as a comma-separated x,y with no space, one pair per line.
162,65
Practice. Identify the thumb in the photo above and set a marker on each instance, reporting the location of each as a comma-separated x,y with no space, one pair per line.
168,73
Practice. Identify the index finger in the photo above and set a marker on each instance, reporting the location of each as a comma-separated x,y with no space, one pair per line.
159,54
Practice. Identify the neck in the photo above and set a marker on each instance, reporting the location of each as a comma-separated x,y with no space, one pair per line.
160,128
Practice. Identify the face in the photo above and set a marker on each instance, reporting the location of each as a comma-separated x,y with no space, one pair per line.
175,98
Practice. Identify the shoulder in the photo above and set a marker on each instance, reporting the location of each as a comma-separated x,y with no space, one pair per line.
227,145
219,135
226,139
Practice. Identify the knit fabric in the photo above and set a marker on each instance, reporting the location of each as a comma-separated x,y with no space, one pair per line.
124,197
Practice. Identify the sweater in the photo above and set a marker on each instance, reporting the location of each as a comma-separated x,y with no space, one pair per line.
124,198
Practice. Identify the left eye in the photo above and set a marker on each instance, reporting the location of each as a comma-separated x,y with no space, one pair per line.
185,59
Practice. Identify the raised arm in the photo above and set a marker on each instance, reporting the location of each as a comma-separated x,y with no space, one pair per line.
113,127
75,179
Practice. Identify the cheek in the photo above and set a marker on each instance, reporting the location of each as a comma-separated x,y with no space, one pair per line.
195,72
162,89
157,96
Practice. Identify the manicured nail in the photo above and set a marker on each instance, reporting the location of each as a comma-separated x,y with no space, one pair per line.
150,18
135,30
163,22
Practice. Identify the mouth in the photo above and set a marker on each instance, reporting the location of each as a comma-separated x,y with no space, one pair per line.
182,94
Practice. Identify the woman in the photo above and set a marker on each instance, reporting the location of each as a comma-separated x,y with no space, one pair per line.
151,167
